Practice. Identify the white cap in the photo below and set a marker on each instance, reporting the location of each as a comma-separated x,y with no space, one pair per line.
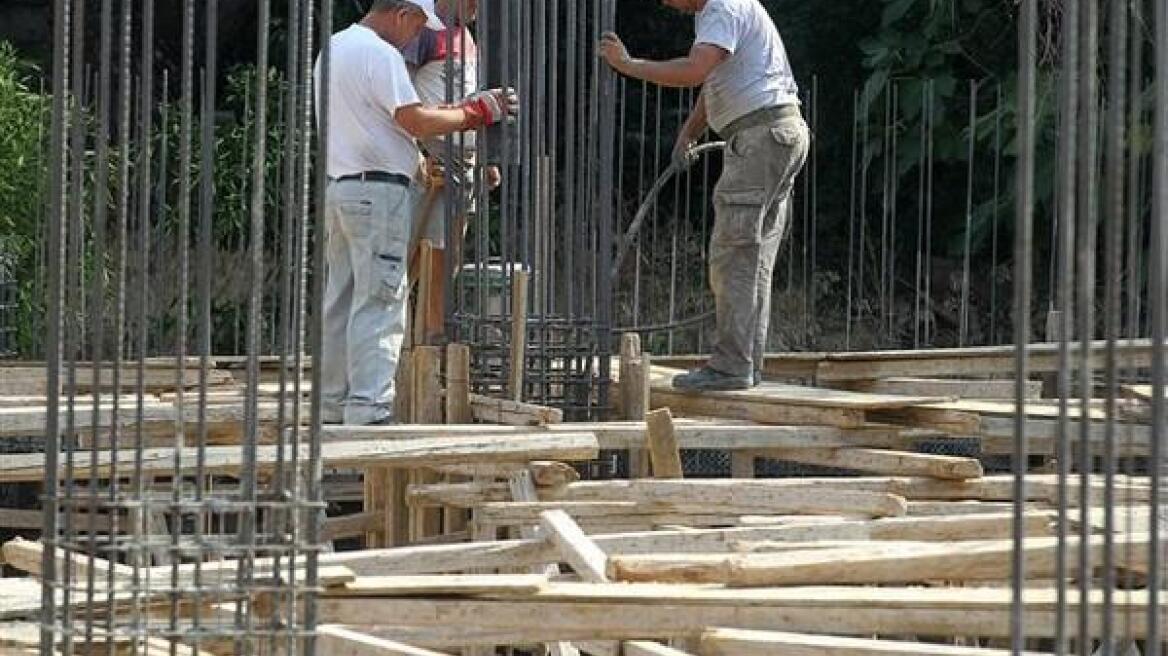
432,20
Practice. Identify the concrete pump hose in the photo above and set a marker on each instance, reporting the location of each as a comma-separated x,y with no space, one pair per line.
647,204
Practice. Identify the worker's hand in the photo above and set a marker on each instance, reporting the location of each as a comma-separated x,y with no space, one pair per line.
489,107
494,177
683,155
613,51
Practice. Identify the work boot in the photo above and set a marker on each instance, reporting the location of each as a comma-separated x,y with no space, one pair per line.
710,380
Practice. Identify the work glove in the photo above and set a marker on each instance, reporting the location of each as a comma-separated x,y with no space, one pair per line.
489,107
683,153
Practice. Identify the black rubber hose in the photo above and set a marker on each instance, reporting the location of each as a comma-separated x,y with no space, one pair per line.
647,204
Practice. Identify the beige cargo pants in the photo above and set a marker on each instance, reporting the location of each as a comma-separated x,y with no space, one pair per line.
760,162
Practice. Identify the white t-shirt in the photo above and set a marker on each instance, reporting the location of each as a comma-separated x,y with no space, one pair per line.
757,74
368,82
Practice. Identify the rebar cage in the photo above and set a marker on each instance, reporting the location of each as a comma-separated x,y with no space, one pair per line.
210,530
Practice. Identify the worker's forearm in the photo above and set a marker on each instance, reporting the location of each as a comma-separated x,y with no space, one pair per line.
427,122
696,124
681,72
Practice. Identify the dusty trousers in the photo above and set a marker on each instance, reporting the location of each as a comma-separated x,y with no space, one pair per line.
760,167
367,226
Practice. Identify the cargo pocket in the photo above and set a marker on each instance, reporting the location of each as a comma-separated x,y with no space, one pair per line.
737,217
389,269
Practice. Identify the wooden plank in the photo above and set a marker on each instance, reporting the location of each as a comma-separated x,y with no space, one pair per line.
514,413
691,434
648,648
350,526
519,288
575,548
156,416
875,563
441,584
624,611
404,452
801,395
743,642
823,496
772,500
895,463
427,397
27,556
423,265
664,455
1001,388
633,375
767,412
976,361
34,379
523,490
458,384
337,640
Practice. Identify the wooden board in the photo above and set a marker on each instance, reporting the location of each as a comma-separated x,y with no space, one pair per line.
403,452
1001,388
690,433
336,640
742,642
649,611
664,456
877,461
514,413
448,584
874,563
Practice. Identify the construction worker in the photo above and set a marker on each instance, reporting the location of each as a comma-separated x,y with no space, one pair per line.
750,98
430,57
374,117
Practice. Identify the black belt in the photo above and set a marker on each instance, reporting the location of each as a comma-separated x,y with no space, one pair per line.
378,176
764,116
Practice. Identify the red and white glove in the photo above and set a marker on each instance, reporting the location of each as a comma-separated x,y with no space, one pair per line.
489,107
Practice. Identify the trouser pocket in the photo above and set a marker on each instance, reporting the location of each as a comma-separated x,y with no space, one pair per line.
737,216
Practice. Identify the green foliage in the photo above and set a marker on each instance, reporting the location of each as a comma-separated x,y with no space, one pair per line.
23,163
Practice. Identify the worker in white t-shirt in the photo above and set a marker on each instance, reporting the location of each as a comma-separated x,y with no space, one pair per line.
750,98
437,58
374,119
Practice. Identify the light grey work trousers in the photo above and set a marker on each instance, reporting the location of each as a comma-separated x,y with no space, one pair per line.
760,162
367,231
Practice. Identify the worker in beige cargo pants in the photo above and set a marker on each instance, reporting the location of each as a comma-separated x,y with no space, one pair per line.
749,96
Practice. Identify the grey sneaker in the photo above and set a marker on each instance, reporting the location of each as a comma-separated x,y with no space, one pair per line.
710,380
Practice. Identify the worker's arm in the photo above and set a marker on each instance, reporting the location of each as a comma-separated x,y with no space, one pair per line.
689,71
695,125
477,110
422,122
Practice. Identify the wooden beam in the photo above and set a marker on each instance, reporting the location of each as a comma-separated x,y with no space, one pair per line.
404,453
628,611
1002,388
976,361
458,409
514,413
691,434
421,585
742,642
894,463
873,563
519,289
767,412
575,548
523,490
337,640
648,648
664,455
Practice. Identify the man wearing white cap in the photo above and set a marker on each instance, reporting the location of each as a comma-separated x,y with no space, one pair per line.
374,120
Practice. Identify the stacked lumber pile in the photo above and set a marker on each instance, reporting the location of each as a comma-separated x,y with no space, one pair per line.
475,536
